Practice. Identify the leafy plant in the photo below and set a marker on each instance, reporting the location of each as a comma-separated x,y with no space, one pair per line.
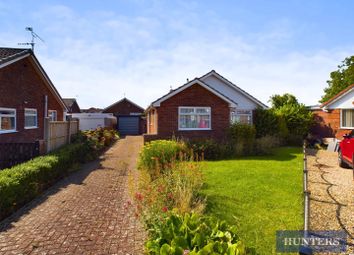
193,234
242,138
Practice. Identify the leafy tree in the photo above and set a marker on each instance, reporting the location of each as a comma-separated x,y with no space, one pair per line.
281,100
340,79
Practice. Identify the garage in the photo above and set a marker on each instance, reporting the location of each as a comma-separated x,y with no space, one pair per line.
128,125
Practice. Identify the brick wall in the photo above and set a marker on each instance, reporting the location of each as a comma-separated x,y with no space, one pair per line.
195,95
22,87
328,124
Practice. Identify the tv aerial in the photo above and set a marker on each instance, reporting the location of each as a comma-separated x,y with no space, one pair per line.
34,36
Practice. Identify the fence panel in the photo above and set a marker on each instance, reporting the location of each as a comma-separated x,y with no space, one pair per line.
60,133
15,153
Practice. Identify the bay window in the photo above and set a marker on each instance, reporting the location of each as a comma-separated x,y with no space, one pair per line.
31,119
7,120
347,118
241,116
194,118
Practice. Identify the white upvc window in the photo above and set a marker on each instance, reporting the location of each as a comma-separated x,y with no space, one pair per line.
347,118
194,118
52,114
31,118
241,116
7,120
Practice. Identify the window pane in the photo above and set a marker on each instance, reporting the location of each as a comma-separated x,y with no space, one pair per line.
203,110
186,110
7,123
30,121
30,112
348,118
203,121
11,112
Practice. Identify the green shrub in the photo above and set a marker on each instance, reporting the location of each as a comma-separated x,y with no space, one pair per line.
156,156
266,144
209,149
25,181
265,122
242,138
194,234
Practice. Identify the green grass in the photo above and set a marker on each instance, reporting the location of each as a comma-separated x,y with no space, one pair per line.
259,194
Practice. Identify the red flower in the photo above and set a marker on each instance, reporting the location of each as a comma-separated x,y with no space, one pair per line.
139,196
165,209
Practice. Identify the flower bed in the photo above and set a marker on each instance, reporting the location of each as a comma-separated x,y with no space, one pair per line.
167,201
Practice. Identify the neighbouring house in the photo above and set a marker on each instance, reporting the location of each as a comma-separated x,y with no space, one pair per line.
201,108
27,96
130,117
72,105
335,117
92,110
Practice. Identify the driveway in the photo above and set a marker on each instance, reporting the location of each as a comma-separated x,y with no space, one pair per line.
84,213
332,194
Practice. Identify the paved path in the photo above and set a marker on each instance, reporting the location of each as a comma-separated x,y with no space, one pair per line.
332,194
82,214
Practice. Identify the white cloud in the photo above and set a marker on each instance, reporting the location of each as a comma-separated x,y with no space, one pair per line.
100,56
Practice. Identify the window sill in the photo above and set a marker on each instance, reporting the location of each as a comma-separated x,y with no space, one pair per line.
346,128
31,127
8,132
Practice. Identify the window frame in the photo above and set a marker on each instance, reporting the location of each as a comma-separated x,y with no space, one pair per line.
36,115
50,116
341,118
9,115
195,114
234,113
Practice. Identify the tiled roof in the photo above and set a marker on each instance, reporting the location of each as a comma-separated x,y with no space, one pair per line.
69,101
8,54
339,95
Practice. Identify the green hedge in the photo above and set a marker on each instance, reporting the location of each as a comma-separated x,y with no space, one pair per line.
25,181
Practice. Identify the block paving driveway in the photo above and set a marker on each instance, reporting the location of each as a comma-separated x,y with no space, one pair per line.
82,214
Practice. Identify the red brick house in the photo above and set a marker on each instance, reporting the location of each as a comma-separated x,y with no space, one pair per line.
72,105
335,117
201,108
130,117
27,96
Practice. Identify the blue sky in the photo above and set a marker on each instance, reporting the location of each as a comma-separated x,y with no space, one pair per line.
99,51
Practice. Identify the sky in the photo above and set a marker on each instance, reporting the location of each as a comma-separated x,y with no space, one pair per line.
101,51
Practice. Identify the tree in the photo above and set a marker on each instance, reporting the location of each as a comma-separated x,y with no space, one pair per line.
340,79
278,101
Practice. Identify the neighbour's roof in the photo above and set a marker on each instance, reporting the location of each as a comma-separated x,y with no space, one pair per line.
8,54
338,96
69,102
124,99
11,55
91,110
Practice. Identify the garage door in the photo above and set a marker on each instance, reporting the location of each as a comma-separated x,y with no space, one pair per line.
128,125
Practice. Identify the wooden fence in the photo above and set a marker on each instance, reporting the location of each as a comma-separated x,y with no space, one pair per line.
58,133
15,153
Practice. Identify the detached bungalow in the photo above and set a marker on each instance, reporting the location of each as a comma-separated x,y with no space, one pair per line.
335,117
26,96
201,108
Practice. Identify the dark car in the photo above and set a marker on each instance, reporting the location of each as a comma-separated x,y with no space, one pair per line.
346,151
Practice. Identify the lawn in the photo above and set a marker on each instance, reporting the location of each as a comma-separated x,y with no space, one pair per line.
259,194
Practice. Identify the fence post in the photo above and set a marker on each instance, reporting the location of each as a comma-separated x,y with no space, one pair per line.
46,134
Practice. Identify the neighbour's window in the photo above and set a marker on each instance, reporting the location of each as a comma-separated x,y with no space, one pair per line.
241,116
7,120
347,118
52,114
194,118
31,119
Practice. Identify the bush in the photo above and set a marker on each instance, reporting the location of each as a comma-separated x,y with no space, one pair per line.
241,138
156,156
265,122
209,149
194,234
266,144
25,181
